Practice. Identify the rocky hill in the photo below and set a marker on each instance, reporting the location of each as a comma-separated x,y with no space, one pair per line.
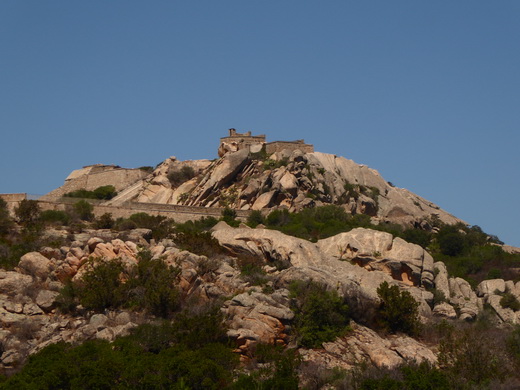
287,179
359,306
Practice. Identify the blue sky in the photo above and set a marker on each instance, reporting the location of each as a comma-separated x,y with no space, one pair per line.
427,93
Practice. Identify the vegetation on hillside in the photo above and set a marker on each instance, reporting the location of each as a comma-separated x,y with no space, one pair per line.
102,193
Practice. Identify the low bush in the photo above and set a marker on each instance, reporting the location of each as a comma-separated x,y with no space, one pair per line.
398,311
148,286
101,193
320,315
83,210
55,217
27,212
184,174
105,221
509,301
200,243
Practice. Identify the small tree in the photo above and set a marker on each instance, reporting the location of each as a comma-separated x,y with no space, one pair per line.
27,212
6,223
398,310
83,210
320,315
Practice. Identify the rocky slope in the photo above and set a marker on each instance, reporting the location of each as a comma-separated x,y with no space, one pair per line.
353,264
293,180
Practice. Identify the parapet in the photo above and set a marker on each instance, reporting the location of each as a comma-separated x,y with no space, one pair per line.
238,141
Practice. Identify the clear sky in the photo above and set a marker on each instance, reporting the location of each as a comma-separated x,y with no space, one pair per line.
426,92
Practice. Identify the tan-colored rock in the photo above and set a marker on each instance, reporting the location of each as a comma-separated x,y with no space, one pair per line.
488,287
46,300
364,345
12,282
35,264
311,261
445,310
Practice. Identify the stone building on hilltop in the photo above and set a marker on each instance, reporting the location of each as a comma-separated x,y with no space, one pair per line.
238,141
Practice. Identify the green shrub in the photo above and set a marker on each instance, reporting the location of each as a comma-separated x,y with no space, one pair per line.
102,193
182,175
160,226
148,286
102,287
55,216
197,226
255,218
229,216
105,221
398,311
6,222
200,243
320,315
83,210
509,301
27,212
151,286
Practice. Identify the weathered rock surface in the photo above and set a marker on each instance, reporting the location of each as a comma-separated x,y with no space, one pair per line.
35,264
364,345
308,262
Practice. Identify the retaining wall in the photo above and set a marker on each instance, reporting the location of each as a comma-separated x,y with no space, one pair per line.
176,212
13,200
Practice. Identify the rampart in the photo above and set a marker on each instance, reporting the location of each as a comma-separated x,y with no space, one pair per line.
176,212
278,146
238,141
94,176
13,200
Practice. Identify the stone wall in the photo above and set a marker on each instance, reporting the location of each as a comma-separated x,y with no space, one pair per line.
120,178
13,200
278,146
176,212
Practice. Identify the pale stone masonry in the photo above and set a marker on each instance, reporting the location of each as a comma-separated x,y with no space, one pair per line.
238,141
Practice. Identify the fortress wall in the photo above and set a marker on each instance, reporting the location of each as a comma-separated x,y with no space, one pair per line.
278,146
178,213
120,178
13,200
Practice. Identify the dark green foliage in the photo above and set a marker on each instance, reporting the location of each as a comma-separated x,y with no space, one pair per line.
178,177
151,286
251,270
101,288
152,357
320,315
200,243
148,286
259,156
200,225
229,216
255,218
101,193
27,212
316,223
417,236
398,311
161,226
105,221
407,377
451,244
279,370
55,217
6,223
147,168
83,210
273,164
509,301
